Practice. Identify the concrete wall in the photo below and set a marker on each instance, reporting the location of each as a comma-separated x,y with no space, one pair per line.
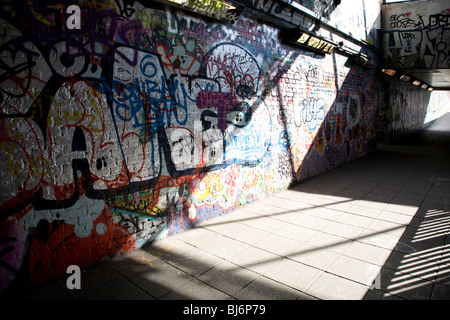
404,107
147,121
416,34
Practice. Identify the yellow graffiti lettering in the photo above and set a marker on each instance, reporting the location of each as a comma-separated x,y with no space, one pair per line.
41,18
10,148
40,166
303,38
313,42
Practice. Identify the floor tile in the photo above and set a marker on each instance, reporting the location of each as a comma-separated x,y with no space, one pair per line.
404,285
134,263
96,280
314,256
375,294
377,199
263,288
161,280
242,232
228,277
379,239
238,215
310,221
364,211
343,230
201,237
268,224
125,290
403,205
438,198
324,213
368,253
388,189
383,226
288,216
294,274
190,259
225,247
340,204
332,287
366,203
265,209
354,220
354,269
279,245
329,242
196,290
440,292
286,204
296,233
255,259
394,217
352,193
415,195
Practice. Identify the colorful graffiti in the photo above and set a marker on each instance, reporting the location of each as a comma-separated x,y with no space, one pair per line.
328,121
142,123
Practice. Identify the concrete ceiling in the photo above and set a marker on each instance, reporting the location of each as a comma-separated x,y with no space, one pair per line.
437,78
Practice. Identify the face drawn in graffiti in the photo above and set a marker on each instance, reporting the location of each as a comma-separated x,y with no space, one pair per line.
238,74
182,61
235,103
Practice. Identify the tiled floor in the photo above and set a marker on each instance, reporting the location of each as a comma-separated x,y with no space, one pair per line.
377,228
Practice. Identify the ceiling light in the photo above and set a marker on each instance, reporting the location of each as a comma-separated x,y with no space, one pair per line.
390,72
316,43
217,9
405,78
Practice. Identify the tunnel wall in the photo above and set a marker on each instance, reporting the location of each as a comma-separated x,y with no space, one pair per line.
147,120
404,108
416,34
415,37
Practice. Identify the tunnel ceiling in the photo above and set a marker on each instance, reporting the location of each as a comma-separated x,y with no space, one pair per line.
437,78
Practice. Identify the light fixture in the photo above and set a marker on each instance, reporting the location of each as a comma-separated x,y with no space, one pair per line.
430,89
316,43
424,86
217,9
416,82
405,78
309,41
390,72
363,60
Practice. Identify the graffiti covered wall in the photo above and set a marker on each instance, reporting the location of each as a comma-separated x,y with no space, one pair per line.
145,121
404,107
417,36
